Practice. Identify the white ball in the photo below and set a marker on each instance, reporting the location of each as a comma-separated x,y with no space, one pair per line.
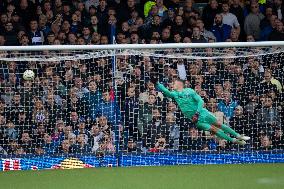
28,75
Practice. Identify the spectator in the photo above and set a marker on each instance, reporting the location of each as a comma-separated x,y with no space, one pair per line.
130,115
278,138
266,21
26,143
144,97
223,145
278,33
196,36
96,135
221,31
10,131
192,140
174,132
80,89
209,13
170,20
81,129
270,83
212,106
82,146
36,35
2,40
268,116
109,109
10,35
266,143
48,145
278,7
252,21
205,33
25,41
64,148
92,98
229,18
180,26
227,105
39,112
239,122
267,30
106,144
159,146
237,9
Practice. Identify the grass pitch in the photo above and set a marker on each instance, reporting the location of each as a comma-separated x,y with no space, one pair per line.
254,176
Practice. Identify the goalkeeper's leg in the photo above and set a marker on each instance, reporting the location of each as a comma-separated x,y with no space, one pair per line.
231,131
208,117
208,122
215,131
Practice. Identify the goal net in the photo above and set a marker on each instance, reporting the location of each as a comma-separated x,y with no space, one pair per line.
92,106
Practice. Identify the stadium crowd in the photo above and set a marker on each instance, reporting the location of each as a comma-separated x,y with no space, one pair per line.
73,107
36,22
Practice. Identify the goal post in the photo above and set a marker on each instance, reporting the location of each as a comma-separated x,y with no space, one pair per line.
95,105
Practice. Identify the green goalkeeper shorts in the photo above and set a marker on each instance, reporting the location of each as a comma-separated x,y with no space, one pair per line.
206,119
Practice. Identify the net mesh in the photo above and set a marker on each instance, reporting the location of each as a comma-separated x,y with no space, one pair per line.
99,108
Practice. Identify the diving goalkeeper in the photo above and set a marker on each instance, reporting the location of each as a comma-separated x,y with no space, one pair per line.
191,105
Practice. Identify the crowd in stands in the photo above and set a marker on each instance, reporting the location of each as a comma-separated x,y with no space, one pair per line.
37,22
73,106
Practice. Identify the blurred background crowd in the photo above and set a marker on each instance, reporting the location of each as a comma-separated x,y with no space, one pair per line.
37,22
81,106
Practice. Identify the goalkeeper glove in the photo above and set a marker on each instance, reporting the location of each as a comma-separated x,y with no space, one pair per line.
195,117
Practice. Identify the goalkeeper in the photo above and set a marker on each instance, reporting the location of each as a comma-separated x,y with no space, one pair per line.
191,105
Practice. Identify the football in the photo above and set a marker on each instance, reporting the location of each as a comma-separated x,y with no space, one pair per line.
28,75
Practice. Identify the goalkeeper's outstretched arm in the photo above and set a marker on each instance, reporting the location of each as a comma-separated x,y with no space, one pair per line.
161,87
165,91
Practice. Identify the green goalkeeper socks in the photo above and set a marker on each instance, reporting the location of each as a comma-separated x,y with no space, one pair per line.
229,130
220,133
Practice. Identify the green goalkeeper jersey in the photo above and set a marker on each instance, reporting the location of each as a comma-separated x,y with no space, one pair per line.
188,100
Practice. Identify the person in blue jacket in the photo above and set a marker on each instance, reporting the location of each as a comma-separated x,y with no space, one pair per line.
221,31
109,109
91,100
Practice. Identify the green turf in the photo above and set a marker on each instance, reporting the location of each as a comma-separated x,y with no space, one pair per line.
256,176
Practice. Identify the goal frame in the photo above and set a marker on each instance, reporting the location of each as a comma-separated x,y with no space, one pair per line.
143,46
121,159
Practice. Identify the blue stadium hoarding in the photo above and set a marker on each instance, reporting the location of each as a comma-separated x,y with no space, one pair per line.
128,159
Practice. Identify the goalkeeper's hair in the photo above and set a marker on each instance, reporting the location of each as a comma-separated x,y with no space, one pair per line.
179,80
